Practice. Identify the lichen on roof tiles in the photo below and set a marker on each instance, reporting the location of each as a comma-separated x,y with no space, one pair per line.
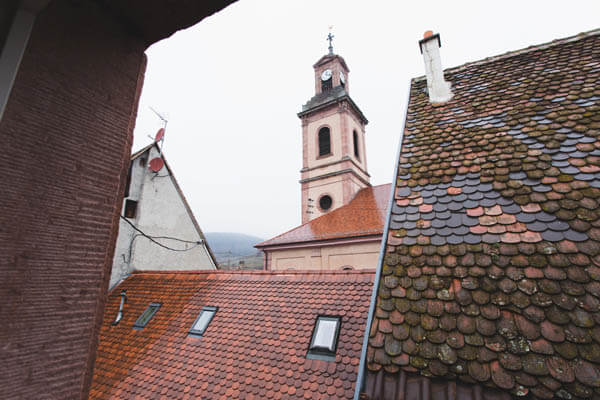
494,278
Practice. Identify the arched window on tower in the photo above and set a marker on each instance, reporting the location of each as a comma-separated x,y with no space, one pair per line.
355,139
324,142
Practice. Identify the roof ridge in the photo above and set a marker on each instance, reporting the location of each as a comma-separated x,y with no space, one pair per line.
188,209
142,150
258,272
376,186
525,50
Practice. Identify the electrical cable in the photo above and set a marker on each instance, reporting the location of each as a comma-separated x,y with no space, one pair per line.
156,175
152,238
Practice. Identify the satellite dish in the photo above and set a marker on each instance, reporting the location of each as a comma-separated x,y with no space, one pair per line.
159,135
156,164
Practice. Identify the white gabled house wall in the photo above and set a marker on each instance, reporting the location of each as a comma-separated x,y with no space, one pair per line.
162,213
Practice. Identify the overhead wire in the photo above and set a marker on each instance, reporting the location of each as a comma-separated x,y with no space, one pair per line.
153,238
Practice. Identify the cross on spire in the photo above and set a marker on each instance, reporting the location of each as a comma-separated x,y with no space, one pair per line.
330,38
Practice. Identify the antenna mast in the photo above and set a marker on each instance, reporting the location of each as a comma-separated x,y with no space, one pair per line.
160,135
159,115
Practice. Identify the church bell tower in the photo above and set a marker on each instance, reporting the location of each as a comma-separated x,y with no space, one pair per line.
334,162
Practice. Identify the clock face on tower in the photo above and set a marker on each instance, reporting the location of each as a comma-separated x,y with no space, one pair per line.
326,75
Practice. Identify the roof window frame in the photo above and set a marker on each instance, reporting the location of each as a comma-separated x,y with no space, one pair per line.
200,332
320,353
138,324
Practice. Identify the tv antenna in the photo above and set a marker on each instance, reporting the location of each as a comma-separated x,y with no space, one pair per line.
157,163
162,117
160,135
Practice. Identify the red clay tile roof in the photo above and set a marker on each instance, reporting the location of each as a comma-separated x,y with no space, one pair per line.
364,215
492,271
255,346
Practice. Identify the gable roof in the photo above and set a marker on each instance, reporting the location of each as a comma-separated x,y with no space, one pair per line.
492,274
329,57
136,154
188,209
363,216
254,347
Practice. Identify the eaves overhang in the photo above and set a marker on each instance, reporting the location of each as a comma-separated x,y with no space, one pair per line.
360,238
334,101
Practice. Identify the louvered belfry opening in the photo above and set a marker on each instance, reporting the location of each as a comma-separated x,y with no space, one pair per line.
327,85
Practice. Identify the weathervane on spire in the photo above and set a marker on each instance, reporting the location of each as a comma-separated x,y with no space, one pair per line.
330,38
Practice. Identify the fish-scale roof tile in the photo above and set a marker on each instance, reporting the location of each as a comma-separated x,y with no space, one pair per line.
509,171
255,346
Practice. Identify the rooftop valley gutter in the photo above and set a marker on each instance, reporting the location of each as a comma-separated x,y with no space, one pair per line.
363,355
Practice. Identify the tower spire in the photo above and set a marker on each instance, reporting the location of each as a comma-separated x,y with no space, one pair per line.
330,38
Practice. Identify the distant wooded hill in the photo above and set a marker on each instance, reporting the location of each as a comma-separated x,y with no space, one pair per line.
232,248
227,244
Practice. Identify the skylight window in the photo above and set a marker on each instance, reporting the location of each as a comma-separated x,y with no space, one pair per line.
323,344
206,315
146,316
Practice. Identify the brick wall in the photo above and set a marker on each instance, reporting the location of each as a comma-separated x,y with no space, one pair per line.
65,142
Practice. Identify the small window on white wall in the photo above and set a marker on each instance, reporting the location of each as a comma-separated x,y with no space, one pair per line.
130,208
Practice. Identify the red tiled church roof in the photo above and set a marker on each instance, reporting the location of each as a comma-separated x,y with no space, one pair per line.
492,271
364,215
255,346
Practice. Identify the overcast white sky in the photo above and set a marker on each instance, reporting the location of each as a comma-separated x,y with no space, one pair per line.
231,87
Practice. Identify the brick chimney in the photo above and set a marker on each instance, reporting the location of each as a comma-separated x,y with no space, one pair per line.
438,88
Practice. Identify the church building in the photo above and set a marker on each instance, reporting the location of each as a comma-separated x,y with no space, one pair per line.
342,214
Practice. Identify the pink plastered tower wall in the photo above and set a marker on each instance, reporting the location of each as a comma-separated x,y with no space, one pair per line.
343,172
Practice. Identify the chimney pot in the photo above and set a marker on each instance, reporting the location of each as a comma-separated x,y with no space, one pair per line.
437,87
120,313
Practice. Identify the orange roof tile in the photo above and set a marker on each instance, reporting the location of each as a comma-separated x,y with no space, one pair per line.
255,346
364,215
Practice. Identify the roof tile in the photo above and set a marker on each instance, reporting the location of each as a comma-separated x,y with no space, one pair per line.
255,346
363,216
513,195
